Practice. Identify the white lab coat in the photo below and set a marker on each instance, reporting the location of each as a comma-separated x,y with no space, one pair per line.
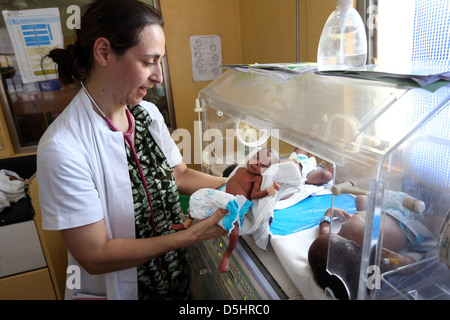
83,177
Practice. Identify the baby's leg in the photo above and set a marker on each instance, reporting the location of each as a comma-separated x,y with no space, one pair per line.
319,177
234,235
182,226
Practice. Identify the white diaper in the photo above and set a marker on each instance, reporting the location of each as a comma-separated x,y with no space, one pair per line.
308,164
409,221
204,202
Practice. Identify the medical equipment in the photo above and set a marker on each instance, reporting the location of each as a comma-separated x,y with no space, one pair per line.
396,142
343,42
347,187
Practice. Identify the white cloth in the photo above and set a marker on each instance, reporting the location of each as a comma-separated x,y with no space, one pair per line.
204,202
10,190
83,177
257,220
292,251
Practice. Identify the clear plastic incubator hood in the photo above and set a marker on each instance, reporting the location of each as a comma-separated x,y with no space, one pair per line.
390,141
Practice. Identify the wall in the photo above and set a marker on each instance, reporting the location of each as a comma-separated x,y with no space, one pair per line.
268,31
313,15
184,18
262,31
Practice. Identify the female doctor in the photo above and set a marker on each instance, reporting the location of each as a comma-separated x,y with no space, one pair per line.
108,171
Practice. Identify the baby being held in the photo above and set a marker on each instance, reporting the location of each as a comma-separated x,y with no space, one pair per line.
245,182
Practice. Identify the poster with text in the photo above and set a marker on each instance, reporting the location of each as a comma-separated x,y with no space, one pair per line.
33,34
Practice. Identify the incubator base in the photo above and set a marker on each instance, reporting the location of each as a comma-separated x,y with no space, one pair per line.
248,278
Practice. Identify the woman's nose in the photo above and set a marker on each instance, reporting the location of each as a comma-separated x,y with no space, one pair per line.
157,75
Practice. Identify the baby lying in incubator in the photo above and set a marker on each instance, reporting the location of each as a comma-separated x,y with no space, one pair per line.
347,244
308,168
242,187
311,173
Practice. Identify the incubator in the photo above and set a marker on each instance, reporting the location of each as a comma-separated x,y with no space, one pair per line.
386,140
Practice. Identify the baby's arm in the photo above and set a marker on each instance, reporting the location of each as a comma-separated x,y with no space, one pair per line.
256,193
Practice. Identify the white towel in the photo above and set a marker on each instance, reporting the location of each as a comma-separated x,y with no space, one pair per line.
10,190
257,220
292,251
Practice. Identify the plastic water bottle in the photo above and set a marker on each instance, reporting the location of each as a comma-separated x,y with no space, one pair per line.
343,43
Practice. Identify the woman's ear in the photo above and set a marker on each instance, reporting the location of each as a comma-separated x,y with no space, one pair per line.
102,51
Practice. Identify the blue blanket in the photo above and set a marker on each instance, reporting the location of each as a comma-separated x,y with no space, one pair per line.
306,213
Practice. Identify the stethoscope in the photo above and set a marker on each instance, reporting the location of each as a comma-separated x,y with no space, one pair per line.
129,139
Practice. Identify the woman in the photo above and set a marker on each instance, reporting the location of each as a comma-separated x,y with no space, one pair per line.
108,171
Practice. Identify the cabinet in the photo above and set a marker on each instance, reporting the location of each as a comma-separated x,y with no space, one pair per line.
20,249
33,262
18,287
52,244
23,268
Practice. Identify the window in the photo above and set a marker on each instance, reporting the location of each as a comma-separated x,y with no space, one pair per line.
409,34
431,39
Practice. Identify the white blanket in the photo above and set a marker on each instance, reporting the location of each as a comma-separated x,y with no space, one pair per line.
257,220
292,251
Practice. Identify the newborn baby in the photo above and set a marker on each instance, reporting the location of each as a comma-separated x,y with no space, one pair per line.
246,182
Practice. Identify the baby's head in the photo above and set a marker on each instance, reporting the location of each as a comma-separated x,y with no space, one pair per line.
262,160
346,259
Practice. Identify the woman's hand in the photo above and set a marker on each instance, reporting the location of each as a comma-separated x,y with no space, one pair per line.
209,228
98,254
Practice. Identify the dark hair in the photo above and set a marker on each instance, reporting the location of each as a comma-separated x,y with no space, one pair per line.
228,170
346,257
119,21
